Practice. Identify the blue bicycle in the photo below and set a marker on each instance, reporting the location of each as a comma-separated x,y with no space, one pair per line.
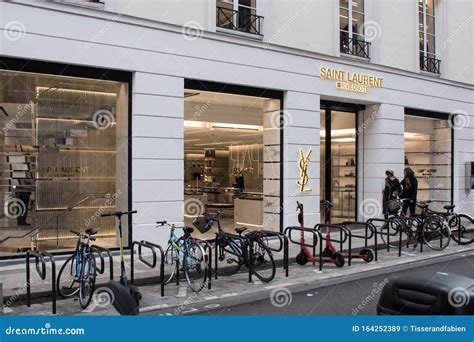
78,273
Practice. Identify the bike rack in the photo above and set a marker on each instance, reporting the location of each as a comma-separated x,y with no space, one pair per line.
367,227
151,246
344,235
216,251
317,237
399,232
100,250
39,260
284,245
207,247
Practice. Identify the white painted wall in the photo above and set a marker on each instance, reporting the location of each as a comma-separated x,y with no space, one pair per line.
160,58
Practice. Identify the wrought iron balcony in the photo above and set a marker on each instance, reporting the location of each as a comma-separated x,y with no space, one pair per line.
429,63
243,20
354,46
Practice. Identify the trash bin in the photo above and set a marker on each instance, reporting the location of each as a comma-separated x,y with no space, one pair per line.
428,293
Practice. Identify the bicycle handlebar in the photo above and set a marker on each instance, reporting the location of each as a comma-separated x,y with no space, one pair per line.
119,213
90,237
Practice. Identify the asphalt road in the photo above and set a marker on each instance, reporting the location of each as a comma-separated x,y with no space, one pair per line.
358,297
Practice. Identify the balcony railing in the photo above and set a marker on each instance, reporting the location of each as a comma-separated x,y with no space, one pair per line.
429,63
243,20
354,46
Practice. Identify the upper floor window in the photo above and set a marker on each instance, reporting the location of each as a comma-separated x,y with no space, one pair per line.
239,15
427,36
351,25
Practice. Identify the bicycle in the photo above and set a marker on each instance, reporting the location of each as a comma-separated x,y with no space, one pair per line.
248,248
461,225
80,269
185,254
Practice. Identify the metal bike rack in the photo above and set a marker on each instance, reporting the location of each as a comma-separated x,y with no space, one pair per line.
209,261
388,235
216,251
151,246
344,235
100,250
41,270
317,239
367,228
284,245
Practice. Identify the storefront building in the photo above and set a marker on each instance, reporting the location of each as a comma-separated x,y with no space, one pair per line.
241,107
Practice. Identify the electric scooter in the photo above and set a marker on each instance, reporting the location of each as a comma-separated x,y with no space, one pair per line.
126,297
306,255
366,254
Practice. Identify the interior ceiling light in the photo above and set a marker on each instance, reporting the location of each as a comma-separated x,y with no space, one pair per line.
339,132
196,124
237,126
343,140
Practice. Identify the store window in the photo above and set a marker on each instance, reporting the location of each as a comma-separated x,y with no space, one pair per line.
351,26
428,152
338,164
427,36
239,15
232,160
59,142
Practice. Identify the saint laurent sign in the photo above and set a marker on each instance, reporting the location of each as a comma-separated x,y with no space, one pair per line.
346,80
303,163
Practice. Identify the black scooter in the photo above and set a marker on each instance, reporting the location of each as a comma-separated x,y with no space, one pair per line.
126,297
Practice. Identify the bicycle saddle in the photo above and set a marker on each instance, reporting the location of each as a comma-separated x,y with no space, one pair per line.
91,231
449,207
240,230
188,230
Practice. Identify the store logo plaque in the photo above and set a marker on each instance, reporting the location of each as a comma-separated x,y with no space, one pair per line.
350,81
303,163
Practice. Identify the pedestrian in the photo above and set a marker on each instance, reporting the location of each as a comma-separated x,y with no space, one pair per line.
391,191
409,192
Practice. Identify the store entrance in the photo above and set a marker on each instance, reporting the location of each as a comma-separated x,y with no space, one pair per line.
338,141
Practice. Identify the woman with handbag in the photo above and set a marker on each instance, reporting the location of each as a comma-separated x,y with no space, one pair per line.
390,193
410,191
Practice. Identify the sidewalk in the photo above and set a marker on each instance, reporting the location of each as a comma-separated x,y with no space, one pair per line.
178,298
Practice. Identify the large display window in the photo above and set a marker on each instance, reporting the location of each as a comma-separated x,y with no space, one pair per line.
64,159
232,159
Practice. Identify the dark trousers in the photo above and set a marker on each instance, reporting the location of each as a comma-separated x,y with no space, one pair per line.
409,204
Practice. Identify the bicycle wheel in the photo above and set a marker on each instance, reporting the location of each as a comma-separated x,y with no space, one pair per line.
171,258
87,281
67,283
228,263
462,229
195,266
392,227
261,260
436,232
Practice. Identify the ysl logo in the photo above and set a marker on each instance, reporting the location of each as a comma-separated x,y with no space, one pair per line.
303,163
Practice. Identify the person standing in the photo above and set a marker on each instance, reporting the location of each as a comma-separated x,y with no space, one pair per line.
391,191
410,191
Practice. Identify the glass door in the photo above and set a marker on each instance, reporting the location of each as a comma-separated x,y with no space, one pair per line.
338,164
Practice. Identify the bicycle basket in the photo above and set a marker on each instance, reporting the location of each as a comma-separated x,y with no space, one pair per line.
202,224
393,207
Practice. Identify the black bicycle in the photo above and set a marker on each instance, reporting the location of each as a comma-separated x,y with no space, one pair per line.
78,273
246,248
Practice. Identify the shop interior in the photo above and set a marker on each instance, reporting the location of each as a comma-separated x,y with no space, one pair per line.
58,146
232,159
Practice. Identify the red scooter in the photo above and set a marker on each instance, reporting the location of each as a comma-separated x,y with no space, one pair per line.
306,255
